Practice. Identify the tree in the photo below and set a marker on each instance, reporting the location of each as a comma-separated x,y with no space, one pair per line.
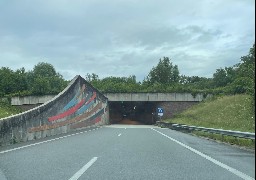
163,73
244,74
91,77
41,86
245,81
223,77
7,81
246,69
45,80
44,70
21,83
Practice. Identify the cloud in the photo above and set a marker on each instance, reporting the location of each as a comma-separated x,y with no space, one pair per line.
122,38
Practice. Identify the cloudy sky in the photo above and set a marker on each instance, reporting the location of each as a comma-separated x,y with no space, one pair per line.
125,37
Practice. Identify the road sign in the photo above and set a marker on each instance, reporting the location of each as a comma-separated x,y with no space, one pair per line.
160,111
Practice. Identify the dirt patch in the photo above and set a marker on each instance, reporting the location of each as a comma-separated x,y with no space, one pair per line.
129,121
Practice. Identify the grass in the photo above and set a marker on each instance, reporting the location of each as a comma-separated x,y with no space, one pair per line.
226,112
228,139
8,110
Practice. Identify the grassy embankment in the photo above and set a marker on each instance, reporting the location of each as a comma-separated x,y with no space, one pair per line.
226,112
8,110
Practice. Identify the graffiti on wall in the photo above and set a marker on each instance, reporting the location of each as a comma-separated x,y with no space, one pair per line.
84,109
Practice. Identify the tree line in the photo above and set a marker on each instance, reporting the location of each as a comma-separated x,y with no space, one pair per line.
164,77
43,79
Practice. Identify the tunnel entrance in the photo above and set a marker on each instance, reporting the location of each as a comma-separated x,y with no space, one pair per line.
132,112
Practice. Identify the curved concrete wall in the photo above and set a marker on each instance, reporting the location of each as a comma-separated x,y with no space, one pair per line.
78,106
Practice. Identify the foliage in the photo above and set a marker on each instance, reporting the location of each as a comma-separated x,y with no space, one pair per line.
114,84
43,79
228,139
7,110
223,77
164,73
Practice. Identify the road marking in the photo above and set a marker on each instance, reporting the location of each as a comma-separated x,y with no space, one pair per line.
119,134
21,147
127,126
232,170
79,173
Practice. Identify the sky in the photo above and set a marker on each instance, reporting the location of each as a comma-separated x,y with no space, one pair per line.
125,37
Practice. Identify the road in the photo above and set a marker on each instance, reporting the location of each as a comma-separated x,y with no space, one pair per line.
123,152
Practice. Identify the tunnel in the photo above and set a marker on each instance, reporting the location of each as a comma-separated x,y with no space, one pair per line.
132,112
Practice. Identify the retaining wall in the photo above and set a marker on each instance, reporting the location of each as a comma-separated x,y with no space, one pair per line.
78,106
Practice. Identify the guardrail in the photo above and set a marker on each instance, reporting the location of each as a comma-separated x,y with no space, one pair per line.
246,135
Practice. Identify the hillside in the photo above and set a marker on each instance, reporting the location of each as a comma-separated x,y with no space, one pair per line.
226,112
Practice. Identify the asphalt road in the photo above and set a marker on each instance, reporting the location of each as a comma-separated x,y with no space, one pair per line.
120,152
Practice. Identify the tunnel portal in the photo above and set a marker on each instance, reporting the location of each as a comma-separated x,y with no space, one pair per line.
132,112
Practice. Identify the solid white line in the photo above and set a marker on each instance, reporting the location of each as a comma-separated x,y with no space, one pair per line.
21,147
83,169
232,170
119,134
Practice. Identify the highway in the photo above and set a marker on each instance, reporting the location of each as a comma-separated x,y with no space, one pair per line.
124,152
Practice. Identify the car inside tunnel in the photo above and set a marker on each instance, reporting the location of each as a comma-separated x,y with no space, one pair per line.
132,112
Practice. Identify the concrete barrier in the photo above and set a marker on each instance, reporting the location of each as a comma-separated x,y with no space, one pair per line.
78,106
18,101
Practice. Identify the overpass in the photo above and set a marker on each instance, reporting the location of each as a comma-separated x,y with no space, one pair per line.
142,106
155,97
139,107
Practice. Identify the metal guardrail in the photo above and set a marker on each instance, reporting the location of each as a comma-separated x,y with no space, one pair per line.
246,135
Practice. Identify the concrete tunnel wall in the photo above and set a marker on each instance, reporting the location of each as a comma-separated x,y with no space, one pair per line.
78,106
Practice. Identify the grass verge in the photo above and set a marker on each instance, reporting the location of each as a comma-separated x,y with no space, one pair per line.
227,139
225,112
8,110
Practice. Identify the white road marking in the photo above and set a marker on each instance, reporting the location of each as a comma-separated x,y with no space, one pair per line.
125,126
119,134
232,170
79,173
21,147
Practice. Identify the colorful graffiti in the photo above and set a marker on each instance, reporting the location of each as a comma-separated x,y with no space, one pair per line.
83,110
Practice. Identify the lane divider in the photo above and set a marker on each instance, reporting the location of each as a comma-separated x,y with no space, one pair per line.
21,147
81,171
232,170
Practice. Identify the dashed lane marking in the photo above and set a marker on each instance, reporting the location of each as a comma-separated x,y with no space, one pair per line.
81,171
232,170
